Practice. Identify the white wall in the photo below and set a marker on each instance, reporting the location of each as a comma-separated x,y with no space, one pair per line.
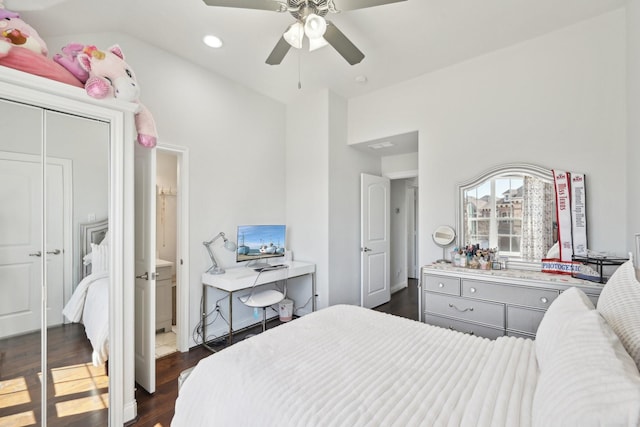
307,185
557,101
633,122
399,163
345,166
236,147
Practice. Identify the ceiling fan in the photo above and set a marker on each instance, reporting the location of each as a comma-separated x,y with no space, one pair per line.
310,22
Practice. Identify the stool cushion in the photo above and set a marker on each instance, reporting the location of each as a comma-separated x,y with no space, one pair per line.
264,298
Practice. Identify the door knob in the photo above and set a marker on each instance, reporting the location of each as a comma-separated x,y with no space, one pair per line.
36,254
144,276
54,252
365,249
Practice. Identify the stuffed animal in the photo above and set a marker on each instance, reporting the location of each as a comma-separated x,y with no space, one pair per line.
69,60
22,48
110,76
16,32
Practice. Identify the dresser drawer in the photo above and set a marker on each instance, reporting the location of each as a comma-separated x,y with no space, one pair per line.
465,309
467,328
444,285
530,297
523,319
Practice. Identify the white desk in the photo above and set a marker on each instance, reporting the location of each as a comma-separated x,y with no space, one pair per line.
240,278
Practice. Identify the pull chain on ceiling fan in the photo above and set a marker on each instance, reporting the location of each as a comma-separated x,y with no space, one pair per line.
310,22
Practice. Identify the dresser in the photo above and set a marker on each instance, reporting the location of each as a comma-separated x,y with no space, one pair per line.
492,303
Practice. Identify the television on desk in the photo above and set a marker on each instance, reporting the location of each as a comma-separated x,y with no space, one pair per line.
257,243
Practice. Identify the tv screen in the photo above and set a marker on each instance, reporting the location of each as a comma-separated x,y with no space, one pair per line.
257,242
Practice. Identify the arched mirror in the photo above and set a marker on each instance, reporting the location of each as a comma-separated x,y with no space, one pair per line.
512,208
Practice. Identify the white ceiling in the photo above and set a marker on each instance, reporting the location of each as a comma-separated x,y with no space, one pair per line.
401,40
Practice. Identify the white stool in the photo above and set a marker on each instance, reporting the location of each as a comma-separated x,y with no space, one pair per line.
263,299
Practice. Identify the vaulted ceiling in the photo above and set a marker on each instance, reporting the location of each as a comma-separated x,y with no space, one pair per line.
400,40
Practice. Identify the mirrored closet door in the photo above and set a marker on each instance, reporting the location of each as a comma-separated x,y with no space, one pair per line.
54,180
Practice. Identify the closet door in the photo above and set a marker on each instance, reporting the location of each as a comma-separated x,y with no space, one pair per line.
21,263
77,149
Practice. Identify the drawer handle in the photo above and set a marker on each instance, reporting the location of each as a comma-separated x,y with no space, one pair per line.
460,310
468,333
472,290
544,300
441,285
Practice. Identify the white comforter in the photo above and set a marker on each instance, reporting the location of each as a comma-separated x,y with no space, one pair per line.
349,366
89,304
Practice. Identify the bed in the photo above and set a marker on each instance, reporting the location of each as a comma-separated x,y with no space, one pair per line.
350,366
89,302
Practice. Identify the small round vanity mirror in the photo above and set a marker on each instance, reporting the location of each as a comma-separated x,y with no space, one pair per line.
443,236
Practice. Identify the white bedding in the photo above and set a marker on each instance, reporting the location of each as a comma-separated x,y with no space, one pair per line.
89,304
349,366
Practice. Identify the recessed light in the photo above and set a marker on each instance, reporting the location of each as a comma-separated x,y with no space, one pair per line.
361,79
212,41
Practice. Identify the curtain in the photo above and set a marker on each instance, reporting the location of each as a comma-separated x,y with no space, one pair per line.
538,212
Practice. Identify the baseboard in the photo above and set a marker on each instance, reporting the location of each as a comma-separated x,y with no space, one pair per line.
399,286
130,411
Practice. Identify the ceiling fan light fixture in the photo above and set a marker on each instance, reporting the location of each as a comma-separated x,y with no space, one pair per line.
315,26
294,35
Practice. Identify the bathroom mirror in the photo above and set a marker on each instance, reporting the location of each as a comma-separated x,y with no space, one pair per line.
510,207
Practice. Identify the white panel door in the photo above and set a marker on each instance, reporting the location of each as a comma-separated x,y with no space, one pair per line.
375,241
21,243
145,249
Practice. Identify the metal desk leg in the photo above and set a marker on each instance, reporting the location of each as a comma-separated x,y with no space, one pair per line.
203,314
230,338
313,291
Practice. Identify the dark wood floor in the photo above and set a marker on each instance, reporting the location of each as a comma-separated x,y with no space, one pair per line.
78,391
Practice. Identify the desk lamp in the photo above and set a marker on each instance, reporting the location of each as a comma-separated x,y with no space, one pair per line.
228,245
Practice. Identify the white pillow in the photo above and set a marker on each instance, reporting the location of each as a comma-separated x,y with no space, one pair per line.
105,239
99,258
588,378
553,326
86,260
619,304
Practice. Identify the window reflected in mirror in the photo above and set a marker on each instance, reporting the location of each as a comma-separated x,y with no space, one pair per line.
511,208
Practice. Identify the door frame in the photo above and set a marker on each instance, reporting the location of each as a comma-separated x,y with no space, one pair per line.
182,243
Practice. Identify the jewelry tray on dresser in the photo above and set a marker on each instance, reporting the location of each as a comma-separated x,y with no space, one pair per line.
492,303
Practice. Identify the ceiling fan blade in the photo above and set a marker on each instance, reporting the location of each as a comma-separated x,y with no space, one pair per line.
361,4
342,44
246,4
278,53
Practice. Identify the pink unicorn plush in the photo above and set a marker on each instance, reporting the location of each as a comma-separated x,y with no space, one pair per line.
109,75
15,32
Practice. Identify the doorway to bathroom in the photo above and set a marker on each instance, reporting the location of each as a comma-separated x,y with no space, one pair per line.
170,192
